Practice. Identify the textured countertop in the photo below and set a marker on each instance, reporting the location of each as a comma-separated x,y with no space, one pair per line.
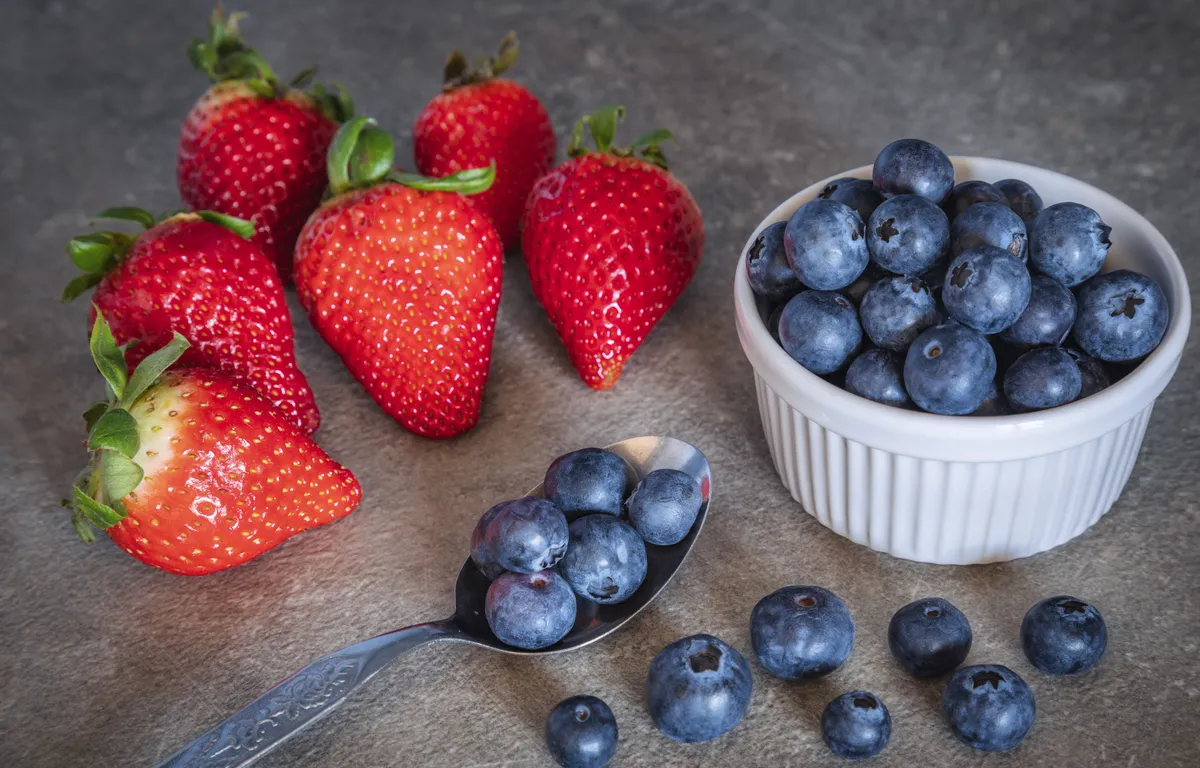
106,662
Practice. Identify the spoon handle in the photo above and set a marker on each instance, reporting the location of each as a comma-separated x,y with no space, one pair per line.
302,699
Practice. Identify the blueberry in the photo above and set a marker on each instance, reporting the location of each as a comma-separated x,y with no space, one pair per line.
587,480
878,375
929,637
913,167
989,224
896,309
606,559
1021,198
856,725
527,535
859,194
773,322
581,732
856,290
1063,635
1042,378
907,234
1068,242
968,193
698,688
1093,373
820,330
767,266
530,610
1046,320
801,632
664,506
826,245
986,288
993,403
989,707
1122,316
482,558
949,369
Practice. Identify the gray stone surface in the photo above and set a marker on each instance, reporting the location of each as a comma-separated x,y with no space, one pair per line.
106,662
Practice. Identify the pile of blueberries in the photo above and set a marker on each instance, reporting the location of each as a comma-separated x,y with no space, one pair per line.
699,687
972,298
540,553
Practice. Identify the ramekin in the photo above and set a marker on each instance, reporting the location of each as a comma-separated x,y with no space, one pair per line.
960,489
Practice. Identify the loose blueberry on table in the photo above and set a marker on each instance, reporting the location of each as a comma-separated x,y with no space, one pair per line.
767,266
913,167
989,707
826,244
605,560
859,194
1022,198
1042,378
664,505
896,309
698,688
1063,635
908,234
878,375
581,732
530,610
856,725
929,637
992,224
820,330
969,193
587,480
526,535
801,632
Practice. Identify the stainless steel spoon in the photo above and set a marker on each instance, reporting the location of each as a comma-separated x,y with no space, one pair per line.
316,690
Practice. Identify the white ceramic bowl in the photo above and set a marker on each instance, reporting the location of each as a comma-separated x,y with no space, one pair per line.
960,489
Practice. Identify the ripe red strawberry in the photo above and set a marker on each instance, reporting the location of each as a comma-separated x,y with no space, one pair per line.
193,473
197,274
611,240
401,276
479,119
253,147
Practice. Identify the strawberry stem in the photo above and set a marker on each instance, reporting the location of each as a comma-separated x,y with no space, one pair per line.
602,125
458,72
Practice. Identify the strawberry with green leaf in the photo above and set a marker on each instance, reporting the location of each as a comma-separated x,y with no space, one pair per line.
611,240
199,275
400,274
191,472
254,146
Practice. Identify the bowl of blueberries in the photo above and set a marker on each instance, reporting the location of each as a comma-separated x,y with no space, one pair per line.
956,358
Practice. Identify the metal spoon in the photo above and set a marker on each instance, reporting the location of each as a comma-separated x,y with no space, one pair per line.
316,690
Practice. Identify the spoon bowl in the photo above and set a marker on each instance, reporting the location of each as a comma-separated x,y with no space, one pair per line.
317,689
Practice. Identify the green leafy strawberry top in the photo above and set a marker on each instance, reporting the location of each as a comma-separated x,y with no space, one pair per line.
459,72
602,125
113,438
224,56
98,253
361,156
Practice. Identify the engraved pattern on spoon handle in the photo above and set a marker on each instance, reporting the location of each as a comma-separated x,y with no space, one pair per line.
302,699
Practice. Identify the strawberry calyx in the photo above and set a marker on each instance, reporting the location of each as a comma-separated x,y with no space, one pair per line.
225,56
459,72
113,438
98,253
361,156
602,125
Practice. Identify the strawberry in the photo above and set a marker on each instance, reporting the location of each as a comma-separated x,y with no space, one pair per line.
479,119
198,274
193,473
253,147
401,276
611,240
